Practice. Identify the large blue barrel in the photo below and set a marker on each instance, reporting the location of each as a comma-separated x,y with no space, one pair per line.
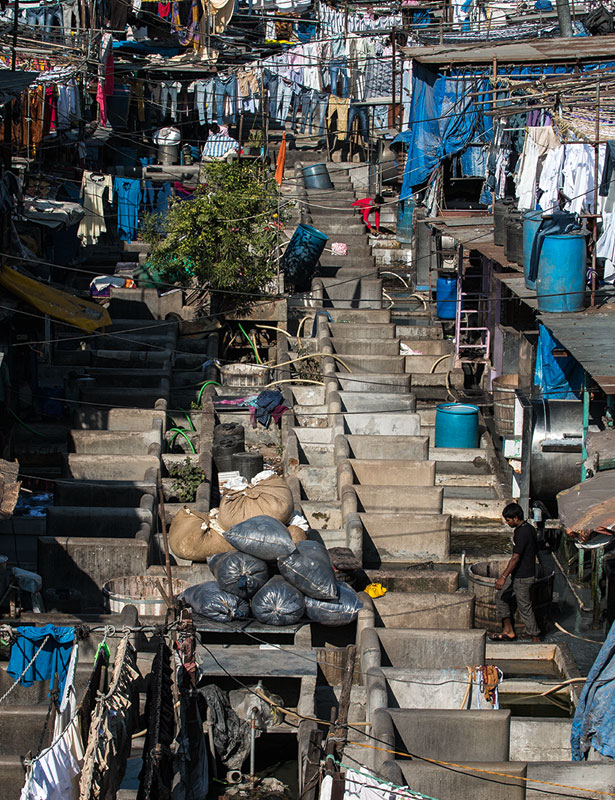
302,254
456,425
446,297
561,281
531,222
405,221
317,177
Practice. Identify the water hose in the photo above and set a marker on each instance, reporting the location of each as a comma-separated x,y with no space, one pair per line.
252,345
273,328
26,426
395,275
296,380
207,383
188,417
389,298
300,328
310,355
180,432
438,361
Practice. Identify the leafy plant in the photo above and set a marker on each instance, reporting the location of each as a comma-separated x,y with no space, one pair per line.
224,238
188,477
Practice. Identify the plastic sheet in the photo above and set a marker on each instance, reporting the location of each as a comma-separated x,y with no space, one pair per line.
278,603
261,536
239,573
309,568
335,614
214,603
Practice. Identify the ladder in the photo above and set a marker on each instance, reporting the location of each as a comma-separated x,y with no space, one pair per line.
472,318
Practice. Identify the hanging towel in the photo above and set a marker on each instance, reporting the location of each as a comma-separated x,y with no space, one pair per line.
53,658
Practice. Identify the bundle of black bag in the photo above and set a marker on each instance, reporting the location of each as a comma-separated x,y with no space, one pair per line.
247,582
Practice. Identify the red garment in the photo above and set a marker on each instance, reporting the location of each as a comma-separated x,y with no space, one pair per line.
49,115
366,204
164,10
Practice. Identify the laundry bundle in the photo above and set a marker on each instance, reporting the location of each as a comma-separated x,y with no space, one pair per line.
305,585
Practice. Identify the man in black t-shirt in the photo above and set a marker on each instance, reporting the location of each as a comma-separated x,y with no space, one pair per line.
517,578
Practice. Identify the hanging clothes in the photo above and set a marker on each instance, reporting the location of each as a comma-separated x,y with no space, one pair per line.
537,143
108,743
127,195
105,75
53,658
93,187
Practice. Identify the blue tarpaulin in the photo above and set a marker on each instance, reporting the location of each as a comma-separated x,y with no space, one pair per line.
594,720
558,378
443,118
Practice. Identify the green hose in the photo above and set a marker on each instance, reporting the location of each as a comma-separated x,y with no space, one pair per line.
252,345
180,432
207,383
189,418
26,426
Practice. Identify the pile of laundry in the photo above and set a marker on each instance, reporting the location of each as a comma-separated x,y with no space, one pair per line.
271,578
264,407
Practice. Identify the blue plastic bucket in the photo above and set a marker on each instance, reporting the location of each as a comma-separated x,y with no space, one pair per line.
456,425
561,281
317,177
446,298
405,221
302,254
531,222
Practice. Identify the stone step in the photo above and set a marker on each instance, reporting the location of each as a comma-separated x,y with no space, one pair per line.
365,261
318,483
311,416
383,402
106,467
379,424
316,455
405,537
335,537
389,500
313,435
419,332
115,442
376,364
388,447
365,347
394,383
360,315
322,516
391,472
350,329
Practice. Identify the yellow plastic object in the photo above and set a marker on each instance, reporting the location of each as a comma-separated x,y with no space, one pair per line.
375,590
58,304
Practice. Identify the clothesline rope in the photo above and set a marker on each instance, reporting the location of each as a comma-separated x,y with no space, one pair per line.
26,668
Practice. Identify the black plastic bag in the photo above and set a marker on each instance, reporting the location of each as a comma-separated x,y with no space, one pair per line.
309,568
333,614
261,536
278,603
214,603
239,573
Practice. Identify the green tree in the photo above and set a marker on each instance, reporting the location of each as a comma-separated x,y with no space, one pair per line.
224,238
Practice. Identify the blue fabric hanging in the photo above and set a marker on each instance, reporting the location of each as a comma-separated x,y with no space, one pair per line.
594,719
53,658
557,378
443,117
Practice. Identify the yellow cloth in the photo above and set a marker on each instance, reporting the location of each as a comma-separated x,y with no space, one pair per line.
375,590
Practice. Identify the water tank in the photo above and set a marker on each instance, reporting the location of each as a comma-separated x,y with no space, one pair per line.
557,438
317,177
456,425
560,285
302,255
531,222
446,297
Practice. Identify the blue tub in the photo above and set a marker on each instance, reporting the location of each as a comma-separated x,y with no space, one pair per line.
446,297
317,177
456,425
561,281
531,223
302,255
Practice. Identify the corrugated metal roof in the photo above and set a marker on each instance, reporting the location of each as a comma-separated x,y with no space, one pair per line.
578,48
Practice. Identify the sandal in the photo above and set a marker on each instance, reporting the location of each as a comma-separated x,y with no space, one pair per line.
501,637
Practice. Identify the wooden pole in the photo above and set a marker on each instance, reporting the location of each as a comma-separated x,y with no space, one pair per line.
596,176
165,538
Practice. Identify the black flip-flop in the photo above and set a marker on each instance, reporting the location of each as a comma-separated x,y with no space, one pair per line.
501,637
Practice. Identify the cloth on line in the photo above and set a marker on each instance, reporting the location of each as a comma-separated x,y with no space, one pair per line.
53,658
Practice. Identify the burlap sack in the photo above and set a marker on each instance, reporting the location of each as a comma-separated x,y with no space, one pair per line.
195,536
297,534
271,497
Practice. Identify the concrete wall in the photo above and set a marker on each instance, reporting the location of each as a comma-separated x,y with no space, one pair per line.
422,649
539,739
458,784
405,537
425,610
383,447
445,735
594,780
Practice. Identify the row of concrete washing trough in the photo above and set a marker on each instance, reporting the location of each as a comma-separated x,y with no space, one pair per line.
354,444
